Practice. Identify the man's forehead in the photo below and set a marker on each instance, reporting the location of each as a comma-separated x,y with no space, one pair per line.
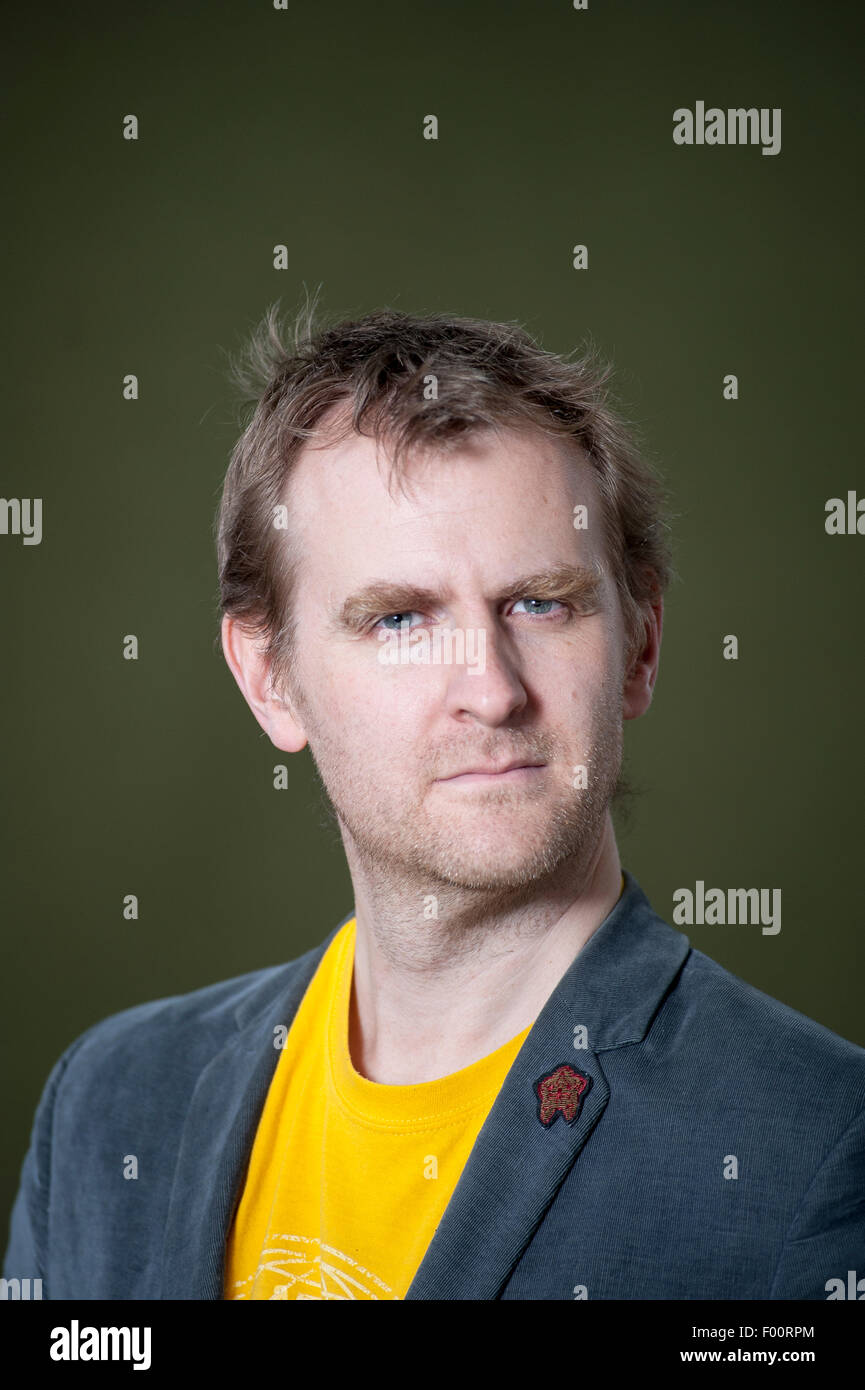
492,528
355,471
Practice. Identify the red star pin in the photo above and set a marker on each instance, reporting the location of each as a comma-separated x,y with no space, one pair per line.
561,1093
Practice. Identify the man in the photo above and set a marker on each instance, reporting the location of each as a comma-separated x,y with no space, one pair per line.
502,1075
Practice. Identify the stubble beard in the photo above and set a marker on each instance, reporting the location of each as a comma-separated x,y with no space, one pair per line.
404,845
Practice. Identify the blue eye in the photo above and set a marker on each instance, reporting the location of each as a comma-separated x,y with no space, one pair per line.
544,604
401,621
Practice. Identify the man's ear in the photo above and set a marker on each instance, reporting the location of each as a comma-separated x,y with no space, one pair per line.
643,672
276,715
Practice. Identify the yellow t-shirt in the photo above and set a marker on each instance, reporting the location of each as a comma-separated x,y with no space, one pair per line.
348,1179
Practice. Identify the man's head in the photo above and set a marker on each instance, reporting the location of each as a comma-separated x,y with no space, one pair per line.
516,511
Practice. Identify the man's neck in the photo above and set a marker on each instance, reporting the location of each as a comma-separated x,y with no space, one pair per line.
431,995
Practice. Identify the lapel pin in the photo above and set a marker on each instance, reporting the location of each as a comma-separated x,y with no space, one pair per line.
561,1093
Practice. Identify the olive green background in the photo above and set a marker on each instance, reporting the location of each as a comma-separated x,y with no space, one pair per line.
155,257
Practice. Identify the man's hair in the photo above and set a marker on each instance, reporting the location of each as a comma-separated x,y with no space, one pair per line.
417,384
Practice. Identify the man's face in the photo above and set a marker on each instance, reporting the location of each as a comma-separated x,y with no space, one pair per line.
488,534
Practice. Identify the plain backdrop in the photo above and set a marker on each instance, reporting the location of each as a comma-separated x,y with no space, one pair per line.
155,257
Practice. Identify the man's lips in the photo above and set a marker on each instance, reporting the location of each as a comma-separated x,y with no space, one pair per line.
507,772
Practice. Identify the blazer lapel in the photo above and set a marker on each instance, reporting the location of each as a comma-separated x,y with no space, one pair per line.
512,1173
219,1131
613,988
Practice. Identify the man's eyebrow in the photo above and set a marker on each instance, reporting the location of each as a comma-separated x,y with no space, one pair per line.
578,583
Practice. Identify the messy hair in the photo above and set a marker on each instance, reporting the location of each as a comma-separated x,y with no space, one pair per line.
306,381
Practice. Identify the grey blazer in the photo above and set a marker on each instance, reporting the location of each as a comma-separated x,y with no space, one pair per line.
707,1143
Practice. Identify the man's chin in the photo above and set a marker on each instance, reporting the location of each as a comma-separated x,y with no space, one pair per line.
490,864
484,877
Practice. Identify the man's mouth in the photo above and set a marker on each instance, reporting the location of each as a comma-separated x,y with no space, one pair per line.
514,771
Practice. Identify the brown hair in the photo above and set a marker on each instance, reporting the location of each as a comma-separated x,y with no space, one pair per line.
367,375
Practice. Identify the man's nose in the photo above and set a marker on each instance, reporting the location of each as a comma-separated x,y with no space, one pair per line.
488,686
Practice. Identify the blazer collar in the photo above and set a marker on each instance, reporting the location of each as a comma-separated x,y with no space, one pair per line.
616,982
613,988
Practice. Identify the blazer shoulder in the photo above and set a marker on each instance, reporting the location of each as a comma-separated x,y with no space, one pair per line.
757,1025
